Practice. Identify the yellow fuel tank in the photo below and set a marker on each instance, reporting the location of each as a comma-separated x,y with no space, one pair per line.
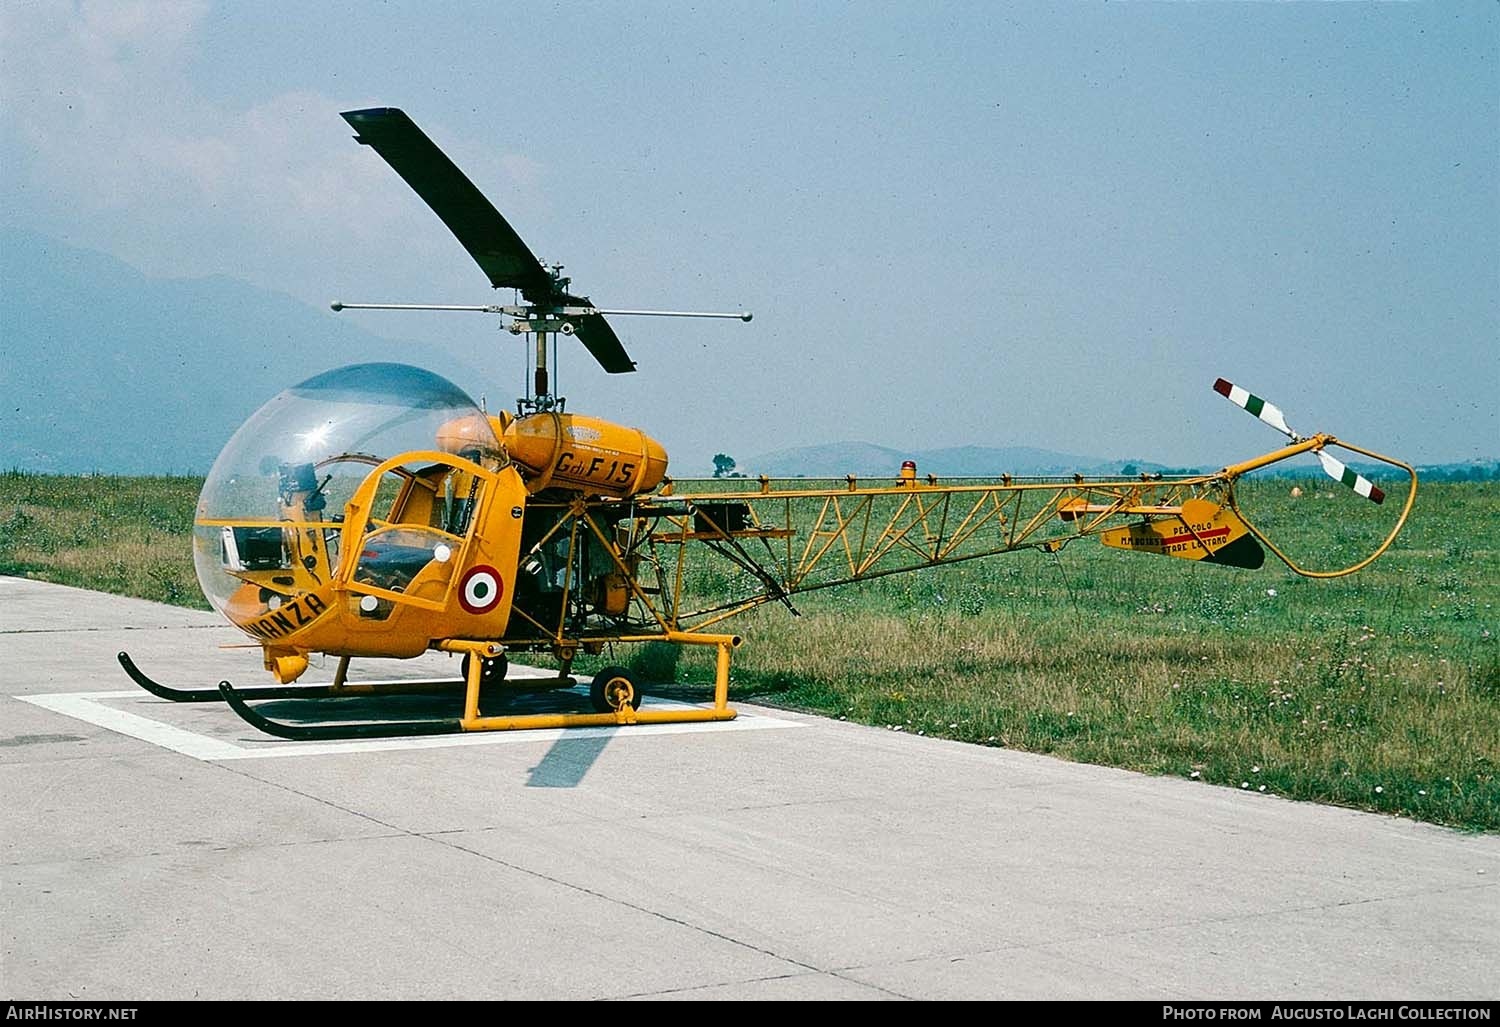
586,453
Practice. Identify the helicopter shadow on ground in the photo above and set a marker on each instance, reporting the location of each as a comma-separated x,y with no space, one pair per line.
565,764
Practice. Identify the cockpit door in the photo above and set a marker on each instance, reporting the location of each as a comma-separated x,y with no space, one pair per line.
409,526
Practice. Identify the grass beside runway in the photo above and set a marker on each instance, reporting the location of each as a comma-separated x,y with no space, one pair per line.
1379,691
124,535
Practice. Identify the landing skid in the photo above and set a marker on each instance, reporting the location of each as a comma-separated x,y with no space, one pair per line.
337,689
615,697
328,732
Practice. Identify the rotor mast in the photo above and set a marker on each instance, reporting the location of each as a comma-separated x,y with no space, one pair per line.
541,397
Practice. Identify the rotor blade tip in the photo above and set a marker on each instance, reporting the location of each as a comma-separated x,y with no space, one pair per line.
1222,387
746,316
335,305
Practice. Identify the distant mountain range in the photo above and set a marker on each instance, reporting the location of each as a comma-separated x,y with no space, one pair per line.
864,459
834,460
104,369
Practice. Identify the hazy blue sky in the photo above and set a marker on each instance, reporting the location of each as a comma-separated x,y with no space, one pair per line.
979,223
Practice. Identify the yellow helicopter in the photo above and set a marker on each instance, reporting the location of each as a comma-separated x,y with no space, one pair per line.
377,511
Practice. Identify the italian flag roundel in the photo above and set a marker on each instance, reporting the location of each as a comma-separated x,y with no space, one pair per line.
481,589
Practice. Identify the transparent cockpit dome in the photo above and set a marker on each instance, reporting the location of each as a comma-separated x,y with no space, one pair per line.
317,441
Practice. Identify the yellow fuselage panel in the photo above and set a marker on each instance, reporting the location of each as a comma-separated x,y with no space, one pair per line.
465,593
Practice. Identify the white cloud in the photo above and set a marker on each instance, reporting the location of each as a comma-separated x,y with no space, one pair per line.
108,144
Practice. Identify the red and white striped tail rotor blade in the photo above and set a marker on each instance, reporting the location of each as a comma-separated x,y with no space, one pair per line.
1267,412
1358,482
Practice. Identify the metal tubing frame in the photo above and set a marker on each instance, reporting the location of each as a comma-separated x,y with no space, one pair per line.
862,541
846,523
472,720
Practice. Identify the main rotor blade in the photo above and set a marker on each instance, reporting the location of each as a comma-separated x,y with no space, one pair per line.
487,236
600,340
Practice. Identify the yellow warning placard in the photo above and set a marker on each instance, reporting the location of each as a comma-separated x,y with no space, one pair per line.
1202,531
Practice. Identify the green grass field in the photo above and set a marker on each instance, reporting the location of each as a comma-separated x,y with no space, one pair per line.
1379,691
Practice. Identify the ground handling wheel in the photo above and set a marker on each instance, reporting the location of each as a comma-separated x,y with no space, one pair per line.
491,671
612,688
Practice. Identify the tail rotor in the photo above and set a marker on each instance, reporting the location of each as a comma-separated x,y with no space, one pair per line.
1272,415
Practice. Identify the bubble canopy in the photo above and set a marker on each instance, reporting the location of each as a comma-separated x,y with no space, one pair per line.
318,440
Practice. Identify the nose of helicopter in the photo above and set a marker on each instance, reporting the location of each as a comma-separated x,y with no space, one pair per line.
268,517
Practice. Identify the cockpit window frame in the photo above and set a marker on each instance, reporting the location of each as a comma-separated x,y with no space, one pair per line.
359,518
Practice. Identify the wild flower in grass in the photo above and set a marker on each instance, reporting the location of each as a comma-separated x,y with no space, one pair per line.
1195,775
1262,788
1379,790
1255,770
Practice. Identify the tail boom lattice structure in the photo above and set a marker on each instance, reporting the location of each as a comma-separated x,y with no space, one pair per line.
697,557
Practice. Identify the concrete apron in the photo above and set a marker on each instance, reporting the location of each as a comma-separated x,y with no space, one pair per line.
779,856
